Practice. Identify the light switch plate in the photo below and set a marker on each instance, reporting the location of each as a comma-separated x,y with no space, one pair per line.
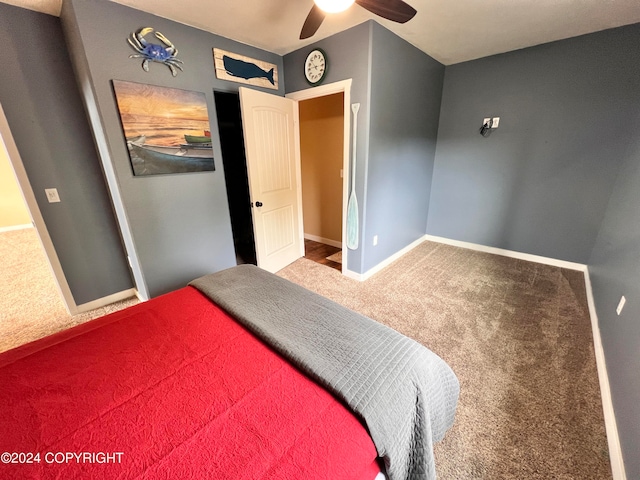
52,195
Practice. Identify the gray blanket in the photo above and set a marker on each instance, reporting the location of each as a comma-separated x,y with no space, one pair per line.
405,394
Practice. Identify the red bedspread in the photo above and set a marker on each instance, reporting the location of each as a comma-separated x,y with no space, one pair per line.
172,388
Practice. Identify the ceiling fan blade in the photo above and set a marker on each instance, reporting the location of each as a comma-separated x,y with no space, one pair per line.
312,23
394,10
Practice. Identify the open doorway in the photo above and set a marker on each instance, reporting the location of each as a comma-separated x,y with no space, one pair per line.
235,175
35,299
235,165
321,121
331,97
19,175
29,294
14,214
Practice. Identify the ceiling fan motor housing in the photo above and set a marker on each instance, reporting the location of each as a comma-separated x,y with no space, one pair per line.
334,6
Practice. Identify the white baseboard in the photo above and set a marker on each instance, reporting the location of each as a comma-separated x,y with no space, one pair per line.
16,227
326,241
108,300
352,275
385,263
471,246
613,440
509,253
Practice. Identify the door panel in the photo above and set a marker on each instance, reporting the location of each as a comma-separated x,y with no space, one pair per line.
272,162
278,226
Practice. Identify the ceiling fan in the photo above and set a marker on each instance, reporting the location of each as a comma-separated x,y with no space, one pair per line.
394,10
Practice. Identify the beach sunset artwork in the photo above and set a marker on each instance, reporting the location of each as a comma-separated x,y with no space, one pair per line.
166,129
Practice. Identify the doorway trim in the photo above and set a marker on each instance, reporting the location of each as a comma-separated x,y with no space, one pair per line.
343,86
36,216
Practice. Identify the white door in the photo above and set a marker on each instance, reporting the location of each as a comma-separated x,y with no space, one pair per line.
274,179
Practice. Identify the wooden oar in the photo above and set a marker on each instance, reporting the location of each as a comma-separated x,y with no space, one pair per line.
352,206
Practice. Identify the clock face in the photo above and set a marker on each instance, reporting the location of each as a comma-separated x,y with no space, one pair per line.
315,66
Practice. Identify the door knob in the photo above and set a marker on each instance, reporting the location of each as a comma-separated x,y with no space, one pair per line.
258,204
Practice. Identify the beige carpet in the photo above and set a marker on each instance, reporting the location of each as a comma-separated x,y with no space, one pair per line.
518,336
336,257
30,304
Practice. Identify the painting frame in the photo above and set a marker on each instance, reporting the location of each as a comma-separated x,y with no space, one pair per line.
166,129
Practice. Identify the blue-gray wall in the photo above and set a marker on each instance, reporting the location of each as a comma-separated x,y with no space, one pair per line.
399,90
40,98
614,266
180,224
348,56
560,178
540,183
406,89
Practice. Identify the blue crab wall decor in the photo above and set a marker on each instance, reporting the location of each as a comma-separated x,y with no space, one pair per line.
153,52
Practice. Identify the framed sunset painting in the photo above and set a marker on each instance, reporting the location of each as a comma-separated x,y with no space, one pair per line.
166,129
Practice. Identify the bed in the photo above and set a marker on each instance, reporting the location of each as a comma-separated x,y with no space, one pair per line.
240,375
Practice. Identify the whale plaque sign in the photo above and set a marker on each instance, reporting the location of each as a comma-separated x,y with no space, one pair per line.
238,68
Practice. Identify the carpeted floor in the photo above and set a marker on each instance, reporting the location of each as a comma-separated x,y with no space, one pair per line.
517,334
30,304
336,257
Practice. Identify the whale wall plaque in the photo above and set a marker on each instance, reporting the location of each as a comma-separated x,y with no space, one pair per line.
238,68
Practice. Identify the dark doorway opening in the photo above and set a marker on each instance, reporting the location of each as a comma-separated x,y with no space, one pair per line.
235,175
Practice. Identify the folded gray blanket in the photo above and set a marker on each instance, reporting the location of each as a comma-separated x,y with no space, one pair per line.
405,394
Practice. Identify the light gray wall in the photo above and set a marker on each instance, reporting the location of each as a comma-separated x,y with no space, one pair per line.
180,223
348,56
40,98
540,183
614,266
406,89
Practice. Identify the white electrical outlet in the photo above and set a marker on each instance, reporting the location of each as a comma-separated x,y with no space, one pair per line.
496,122
621,305
52,195
485,121
375,240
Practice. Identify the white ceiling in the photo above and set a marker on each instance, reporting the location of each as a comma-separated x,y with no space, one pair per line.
451,31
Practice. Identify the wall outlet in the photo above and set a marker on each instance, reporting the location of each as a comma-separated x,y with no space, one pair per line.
621,305
52,195
375,240
485,121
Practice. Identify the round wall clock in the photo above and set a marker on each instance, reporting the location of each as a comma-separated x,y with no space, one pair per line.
315,66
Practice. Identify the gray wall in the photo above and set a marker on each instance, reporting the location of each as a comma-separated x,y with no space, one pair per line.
614,266
41,101
397,129
348,56
540,183
559,178
180,223
406,89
